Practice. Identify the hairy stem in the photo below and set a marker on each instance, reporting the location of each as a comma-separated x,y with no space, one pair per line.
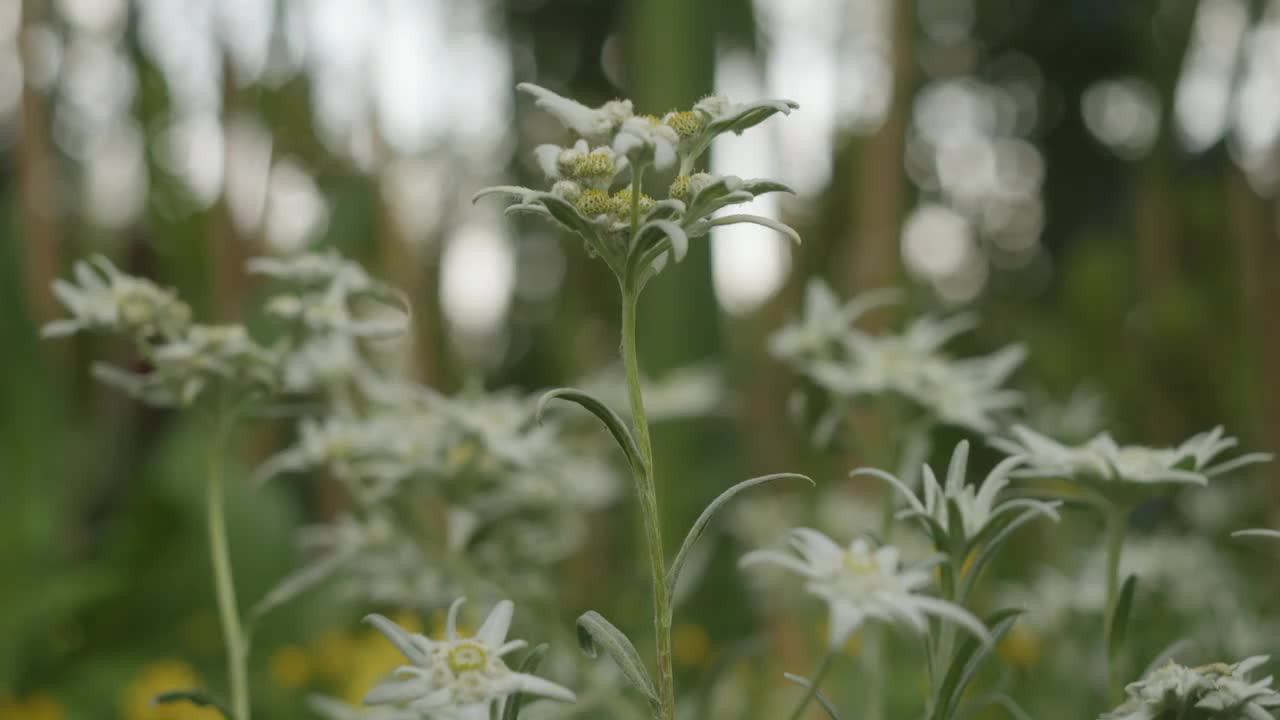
647,494
824,666
224,584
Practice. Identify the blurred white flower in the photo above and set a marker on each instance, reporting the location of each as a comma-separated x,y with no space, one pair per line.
103,298
460,678
824,322
1210,692
1102,463
863,582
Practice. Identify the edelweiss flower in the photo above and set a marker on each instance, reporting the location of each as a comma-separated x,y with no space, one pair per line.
977,505
581,164
185,367
594,124
647,140
458,678
1103,464
824,322
965,393
863,582
107,299
1209,692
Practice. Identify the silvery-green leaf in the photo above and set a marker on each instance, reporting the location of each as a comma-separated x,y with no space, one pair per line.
654,231
827,706
612,421
528,666
758,220
700,525
1118,624
298,582
595,634
966,660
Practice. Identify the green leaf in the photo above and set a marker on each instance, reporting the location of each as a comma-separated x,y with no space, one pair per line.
615,424
827,705
770,223
596,633
567,215
751,114
956,546
654,231
1119,623
700,525
966,660
297,583
705,518
199,698
760,186
528,666
989,549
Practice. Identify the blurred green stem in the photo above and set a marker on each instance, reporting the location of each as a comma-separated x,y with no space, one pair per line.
224,584
824,666
647,494
1117,522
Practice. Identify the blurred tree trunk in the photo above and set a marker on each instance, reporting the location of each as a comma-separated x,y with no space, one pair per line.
38,190
880,188
228,250
1254,222
1156,233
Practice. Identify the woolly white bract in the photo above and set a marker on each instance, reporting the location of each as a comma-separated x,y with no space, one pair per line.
863,582
1209,692
458,677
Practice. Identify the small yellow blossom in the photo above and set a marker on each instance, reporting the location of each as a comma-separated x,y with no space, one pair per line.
290,667
594,202
1020,648
690,644
40,706
686,124
137,698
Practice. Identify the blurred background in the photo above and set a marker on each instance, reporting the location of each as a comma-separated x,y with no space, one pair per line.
1096,179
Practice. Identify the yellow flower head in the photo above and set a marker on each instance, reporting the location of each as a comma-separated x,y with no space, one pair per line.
686,124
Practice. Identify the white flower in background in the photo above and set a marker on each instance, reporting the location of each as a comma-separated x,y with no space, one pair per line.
314,268
863,582
647,140
203,356
1210,692
595,124
1103,463
103,298
458,677
978,505
966,392
824,321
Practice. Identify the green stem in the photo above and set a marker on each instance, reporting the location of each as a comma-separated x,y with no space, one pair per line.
224,584
1117,521
824,666
647,494
637,175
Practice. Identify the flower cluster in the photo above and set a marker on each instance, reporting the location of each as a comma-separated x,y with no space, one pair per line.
1210,692
1105,466
186,359
461,678
633,232
863,582
847,362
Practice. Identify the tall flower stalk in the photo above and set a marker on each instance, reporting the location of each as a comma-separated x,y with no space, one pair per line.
637,236
233,636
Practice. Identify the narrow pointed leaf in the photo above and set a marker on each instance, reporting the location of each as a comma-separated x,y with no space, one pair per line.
297,583
612,422
827,706
700,525
655,230
595,634
967,659
1119,624
528,666
199,698
758,220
